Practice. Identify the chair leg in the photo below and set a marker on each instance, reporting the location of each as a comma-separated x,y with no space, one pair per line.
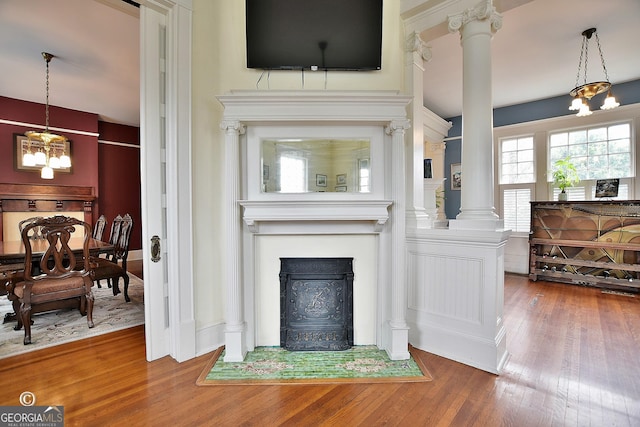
126,287
89,299
25,314
16,310
116,285
83,305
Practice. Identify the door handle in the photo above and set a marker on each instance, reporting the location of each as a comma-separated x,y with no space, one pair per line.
155,249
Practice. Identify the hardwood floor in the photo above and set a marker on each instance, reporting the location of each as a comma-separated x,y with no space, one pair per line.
574,361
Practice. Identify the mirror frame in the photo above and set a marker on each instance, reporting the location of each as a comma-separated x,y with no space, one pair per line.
255,135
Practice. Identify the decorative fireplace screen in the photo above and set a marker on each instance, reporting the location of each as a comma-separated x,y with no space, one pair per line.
316,303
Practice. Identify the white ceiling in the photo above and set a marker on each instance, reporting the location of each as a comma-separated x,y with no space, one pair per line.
535,54
96,68
96,44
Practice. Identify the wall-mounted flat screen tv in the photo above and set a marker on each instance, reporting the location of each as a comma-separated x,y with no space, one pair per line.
314,34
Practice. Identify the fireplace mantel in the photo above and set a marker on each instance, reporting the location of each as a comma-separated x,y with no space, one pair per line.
369,226
372,212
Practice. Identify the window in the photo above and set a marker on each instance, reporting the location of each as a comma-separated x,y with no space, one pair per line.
524,156
517,181
516,161
293,175
363,175
598,152
517,209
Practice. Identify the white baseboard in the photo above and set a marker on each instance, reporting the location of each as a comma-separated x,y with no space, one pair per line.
209,339
476,351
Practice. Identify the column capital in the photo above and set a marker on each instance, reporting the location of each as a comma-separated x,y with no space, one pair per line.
397,126
415,44
483,11
233,126
437,146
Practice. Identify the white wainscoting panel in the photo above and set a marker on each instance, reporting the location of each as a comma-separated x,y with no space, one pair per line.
456,295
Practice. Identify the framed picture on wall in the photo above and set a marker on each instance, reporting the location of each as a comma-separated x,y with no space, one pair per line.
321,180
341,179
22,146
456,176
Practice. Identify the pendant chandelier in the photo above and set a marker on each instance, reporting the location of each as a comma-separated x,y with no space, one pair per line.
585,91
50,149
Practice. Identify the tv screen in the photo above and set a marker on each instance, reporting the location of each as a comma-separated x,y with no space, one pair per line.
314,34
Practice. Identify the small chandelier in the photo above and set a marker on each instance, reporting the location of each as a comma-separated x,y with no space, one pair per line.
50,147
584,92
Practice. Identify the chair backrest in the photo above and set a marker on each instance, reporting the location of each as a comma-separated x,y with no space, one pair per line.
35,231
122,245
98,228
115,230
56,257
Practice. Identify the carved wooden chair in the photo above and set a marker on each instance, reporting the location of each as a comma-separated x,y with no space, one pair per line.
115,266
98,228
113,238
115,230
35,232
16,275
61,283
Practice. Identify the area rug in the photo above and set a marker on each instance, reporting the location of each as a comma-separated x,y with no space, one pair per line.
110,313
277,366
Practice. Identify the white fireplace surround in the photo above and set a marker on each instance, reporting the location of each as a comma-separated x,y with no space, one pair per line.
261,227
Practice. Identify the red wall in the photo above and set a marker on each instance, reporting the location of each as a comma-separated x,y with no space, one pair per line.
112,170
119,176
84,149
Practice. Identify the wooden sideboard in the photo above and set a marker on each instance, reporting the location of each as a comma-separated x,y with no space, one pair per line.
46,198
591,243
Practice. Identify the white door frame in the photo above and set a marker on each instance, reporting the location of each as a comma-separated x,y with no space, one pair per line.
165,170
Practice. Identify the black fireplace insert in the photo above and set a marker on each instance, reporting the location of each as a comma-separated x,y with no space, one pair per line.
316,303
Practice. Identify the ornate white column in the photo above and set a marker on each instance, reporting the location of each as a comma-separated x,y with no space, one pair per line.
235,347
417,53
476,27
398,330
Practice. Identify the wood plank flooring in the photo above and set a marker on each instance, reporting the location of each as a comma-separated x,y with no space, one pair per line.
574,361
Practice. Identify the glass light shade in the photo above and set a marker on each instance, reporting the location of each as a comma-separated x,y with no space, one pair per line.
576,104
29,159
584,110
46,173
65,161
610,102
41,158
54,162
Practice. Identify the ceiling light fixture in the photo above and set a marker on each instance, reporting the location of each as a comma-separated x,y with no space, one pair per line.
48,145
584,92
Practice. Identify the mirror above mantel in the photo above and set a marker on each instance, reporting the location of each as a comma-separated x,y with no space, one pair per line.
308,165
309,161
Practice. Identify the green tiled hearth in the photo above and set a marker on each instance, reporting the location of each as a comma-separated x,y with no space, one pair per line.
276,363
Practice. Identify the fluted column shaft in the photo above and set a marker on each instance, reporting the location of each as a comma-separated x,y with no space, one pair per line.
476,28
417,53
235,347
399,331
